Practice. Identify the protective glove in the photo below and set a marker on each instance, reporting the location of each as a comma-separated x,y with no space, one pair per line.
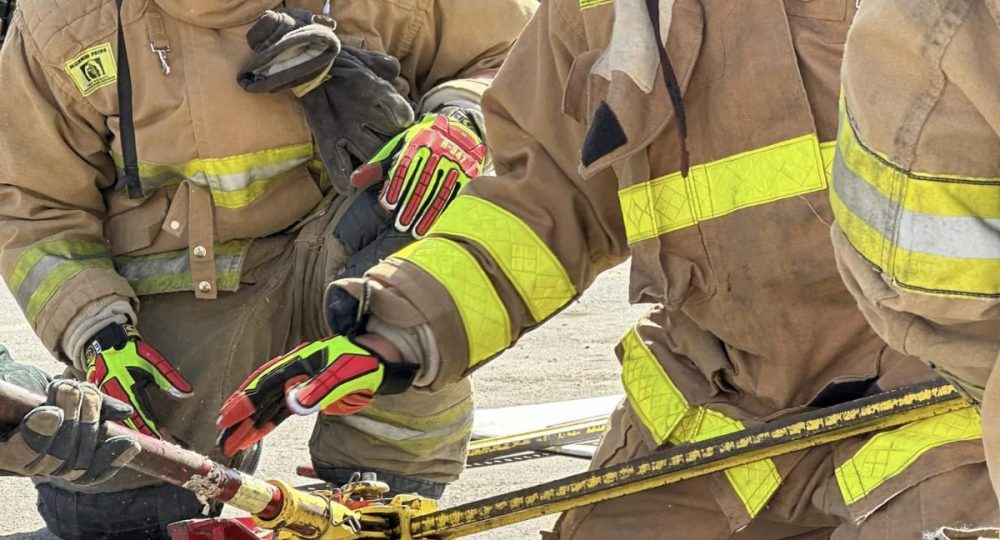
122,365
424,167
367,233
293,49
62,438
351,106
335,375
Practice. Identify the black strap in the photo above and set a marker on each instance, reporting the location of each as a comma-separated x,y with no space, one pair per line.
130,173
670,81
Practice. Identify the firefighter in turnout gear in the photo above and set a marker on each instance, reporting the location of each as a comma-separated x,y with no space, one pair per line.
915,191
697,137
173,204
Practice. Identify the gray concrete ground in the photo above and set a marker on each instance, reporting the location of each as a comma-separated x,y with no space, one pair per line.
570,357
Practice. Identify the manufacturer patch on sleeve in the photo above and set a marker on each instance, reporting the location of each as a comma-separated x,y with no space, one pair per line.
92,69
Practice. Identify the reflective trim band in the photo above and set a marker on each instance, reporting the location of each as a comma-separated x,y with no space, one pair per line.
43,268
171,271
234,181
786,169
664,411
935,234
654,398
888,453
484,317
528,263
415,434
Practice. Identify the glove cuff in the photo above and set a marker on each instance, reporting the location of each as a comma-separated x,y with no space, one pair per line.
398,377
112,336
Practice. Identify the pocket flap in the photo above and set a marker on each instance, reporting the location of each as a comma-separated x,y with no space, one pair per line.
136,228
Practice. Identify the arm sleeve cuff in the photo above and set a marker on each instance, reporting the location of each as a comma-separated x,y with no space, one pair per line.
89,321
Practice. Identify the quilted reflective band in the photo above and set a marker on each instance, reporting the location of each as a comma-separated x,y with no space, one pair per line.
484,317
528,263
786,169
931,233
887,454
665,412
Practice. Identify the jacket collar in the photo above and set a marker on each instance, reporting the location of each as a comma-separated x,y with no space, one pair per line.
216,13
626,98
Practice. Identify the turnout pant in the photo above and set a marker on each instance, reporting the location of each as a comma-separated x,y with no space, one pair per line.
417,441
807,505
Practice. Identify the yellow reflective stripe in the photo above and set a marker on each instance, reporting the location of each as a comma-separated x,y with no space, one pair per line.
57,247
56,279
938,195
786,169
235,181
171,271
827,151
484,317
654,398
44,267
889,453
939,235
664,411
536,273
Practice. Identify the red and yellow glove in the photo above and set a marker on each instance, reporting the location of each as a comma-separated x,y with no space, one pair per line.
424,167
122,365
333,375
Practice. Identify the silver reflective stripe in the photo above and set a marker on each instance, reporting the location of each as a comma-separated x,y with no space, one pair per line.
139,268
953,237
222,182
392,432
43,268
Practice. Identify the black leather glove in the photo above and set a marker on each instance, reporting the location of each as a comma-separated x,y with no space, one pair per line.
366,230
356,112
351,106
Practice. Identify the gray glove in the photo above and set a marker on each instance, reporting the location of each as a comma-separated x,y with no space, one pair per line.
355,110
63,437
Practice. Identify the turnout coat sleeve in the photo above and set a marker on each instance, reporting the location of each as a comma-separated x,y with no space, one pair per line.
915,191
514,249
54,162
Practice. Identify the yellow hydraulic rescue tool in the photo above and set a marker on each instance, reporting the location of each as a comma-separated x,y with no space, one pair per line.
358,509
